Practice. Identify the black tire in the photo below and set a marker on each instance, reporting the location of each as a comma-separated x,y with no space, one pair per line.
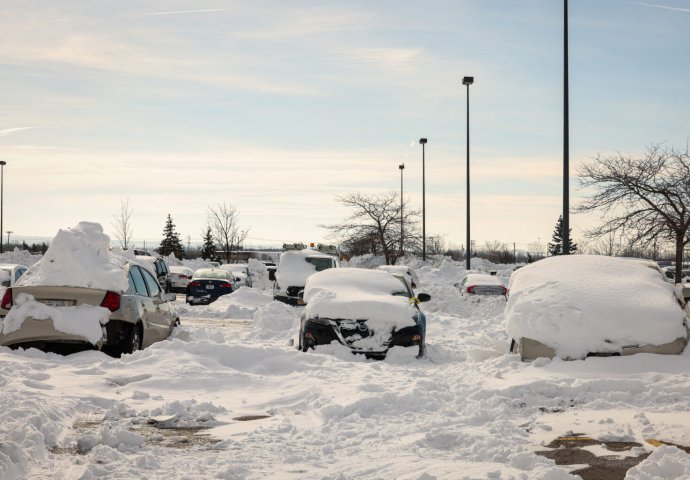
132,341
422,350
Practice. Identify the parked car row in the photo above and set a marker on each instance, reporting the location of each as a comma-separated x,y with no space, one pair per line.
141,313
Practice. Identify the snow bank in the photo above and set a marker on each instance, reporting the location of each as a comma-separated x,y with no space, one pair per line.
79,257
585,303
244,302
21,257
664,463
274,321
357,293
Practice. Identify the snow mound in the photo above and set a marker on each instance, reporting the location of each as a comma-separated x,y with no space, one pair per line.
585,303
244,302
21,257
274,321
665,462
79,257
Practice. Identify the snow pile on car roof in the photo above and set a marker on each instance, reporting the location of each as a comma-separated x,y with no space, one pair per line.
357,294
79,257
578,304
293,269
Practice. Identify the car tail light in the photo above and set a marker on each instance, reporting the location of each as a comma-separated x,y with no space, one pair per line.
7,299
226,285
470,289
505,290
184,277
194,284
111,301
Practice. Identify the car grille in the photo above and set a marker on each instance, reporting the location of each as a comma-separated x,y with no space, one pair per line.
293,291
352,330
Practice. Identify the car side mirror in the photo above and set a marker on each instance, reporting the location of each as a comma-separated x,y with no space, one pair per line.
423,297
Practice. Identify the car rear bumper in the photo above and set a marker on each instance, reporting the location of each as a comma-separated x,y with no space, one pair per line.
530,349
34,332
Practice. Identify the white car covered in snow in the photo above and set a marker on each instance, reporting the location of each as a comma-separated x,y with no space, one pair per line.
409,273
482,284
293,270
243,277
576,306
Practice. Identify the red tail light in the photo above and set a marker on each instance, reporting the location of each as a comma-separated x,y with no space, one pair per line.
7,299
184,276
226,285
111,301
194,284
470,289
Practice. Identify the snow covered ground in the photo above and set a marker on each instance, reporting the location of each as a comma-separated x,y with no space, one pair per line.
245,404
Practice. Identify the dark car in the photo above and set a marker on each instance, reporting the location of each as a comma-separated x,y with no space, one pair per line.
368,311
208,284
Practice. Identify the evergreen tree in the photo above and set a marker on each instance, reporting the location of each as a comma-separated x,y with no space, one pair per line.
171,242
208,249
556,244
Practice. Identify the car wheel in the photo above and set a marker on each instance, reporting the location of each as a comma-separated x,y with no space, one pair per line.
422,350
132,341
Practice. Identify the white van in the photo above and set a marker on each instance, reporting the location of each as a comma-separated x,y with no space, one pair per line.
293,270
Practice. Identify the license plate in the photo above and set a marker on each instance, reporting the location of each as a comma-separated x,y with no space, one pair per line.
57,303
210,287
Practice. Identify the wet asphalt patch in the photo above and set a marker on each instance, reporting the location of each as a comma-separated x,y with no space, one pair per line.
570,450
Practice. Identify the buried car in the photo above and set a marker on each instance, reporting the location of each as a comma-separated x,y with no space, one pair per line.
368,311
208,284
481,284
576,306
120,320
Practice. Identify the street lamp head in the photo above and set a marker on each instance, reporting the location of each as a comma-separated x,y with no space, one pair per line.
467,80
401,166
3,163
422,141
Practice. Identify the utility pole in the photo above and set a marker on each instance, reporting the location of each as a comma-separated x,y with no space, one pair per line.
8,237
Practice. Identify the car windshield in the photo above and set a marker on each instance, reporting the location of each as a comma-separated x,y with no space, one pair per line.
320,263
211,274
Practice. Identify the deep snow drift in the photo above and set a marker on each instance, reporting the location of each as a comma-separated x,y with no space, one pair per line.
467,411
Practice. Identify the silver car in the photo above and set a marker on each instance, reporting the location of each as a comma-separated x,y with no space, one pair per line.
141,315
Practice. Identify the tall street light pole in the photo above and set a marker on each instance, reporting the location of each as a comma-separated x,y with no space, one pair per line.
2,171
402,236
423,143
566,140
468,81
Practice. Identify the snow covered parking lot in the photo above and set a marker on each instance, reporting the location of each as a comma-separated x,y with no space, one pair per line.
467,410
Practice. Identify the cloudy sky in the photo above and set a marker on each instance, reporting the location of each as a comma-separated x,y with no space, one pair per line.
279,107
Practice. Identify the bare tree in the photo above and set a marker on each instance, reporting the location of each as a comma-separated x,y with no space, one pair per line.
374,226
122,224
643,199
224,223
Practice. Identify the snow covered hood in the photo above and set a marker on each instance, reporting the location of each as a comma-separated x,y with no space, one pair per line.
79,257
586,303
356,294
